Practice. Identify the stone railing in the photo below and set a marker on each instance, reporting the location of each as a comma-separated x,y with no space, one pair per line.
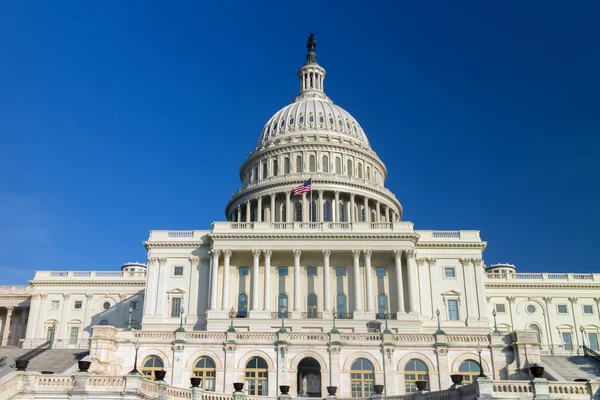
543,276
87,275
312,227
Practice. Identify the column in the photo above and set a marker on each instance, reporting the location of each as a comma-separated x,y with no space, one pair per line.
239,213
6,329
22,324
297,253
248,211
86,315
273,207
63,318
413,285
377,212
34,311
320,216
387,213
369,279
480,286
255,278
399,284
366,208
225,292
192,305
214,275
357,285
267,289
351,211
288,206
326,281
433,285
424,287
469,282
151,282
160,291
259,209
336,208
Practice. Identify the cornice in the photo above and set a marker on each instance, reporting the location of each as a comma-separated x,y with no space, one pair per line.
14,297
88,283
541,285
162,245
307,236
454,245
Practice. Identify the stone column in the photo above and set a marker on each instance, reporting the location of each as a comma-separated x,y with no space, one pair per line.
162,278
248,211
433,285
326,281
351,211
259,209
225,292
62,328
356,272
267,290
214,278
387,213
377,212
255,278
369,279
367,212
288,207
399,283
24,316
34,311
305,209
192,306
273,207
297,253
480,287
6,329
424,287
469,282
320,217
239,213
178,347
413,285
336,210
87,317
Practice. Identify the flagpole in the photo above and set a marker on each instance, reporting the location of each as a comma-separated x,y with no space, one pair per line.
310,217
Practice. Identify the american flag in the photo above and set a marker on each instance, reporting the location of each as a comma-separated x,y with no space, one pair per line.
305,187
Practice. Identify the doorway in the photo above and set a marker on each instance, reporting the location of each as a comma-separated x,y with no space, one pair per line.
309,378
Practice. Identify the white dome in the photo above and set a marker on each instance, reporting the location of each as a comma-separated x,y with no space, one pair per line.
312,115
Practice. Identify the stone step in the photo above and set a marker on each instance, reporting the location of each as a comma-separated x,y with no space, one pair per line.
573,367
10,353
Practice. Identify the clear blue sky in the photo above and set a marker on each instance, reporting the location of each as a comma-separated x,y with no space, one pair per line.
121,117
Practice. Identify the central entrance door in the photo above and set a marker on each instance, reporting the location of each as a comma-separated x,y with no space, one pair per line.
309,378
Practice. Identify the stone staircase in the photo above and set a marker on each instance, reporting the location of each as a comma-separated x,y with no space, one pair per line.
57,361
573,367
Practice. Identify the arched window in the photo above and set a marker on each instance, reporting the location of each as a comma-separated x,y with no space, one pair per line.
415,370
312,164
104,322
360,172
299,164
362,378
368,173
283,216
338,165
373,216
282,305
288,165
298,213
342,213
257,377
275,167
349,168
538,333
311,305
327,212
325,164
265,170
256,173
313,211
342,308
382,306
204,369
151,364
469,370
242,311
363,214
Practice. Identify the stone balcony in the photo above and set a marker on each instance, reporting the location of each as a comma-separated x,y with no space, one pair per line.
542,276
47,276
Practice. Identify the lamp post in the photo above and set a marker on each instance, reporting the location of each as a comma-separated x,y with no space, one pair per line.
283,312
52,333
481,374
385,317
439,329
334,329
496,331
180,329
136,346
129,320
231,317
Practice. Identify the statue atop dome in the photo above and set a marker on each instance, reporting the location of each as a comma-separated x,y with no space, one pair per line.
311,43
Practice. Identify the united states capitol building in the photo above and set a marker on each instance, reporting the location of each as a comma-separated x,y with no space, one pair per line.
327,288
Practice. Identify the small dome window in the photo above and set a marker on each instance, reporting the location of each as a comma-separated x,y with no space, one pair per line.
291,121
283,124
275,126
348,125
321,119
311,119
355,131
330,121
531,309
301,120
340,123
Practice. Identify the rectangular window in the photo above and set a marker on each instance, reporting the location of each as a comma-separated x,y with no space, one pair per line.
380,271
49,333
311,271
340,271
175,307
453,310
282,271
562,309
134,305
177,271
593,341
588,309
500,308
275,167
449,272
54,305
78,304
265,170
73,335
567,341
243,271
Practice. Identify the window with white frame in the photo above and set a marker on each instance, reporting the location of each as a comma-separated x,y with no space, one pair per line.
588,309
562,309
283,271
175,307
500,308
311,271
340,271
54,305
380,271
178,270
243,271
453,310
77,305
449,272
73,335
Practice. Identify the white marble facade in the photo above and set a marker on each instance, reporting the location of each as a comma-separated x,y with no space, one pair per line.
406,304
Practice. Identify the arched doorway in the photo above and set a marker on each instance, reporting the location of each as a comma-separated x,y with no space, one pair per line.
309,378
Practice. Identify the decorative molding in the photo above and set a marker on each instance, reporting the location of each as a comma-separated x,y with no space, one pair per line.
326,253
297,253
410,253
547,300
66,296
477,262
420,261
355,253
267,253
216,253
431,261
226,253
465,261
194,261
89,296
397,253
511,299
367,253
573,300
162,260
